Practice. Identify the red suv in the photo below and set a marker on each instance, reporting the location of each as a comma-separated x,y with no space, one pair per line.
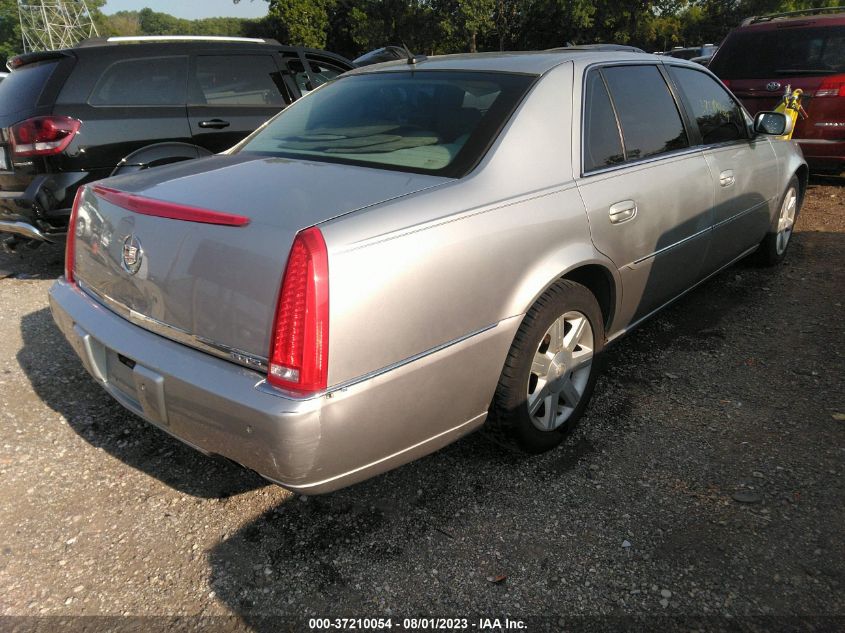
802,49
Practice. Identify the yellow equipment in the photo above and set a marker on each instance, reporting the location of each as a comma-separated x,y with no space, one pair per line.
791,106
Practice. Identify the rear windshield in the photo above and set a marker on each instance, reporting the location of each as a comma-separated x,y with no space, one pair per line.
431,122
781,53
21,89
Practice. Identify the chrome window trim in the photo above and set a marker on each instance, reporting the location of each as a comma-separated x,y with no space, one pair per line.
644,161
598,66
704,71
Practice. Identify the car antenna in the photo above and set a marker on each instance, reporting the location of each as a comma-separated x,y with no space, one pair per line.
412,59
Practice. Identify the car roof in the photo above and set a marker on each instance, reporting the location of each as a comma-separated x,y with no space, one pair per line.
528,62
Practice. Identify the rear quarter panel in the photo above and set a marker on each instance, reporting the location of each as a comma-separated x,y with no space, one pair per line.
432,268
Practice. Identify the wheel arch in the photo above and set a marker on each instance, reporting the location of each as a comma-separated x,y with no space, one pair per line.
593,271
600,281
803,173
158,154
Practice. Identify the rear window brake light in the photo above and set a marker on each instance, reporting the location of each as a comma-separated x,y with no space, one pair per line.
170,210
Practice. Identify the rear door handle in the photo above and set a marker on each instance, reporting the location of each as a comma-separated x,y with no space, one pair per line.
217,124
726,178
622,211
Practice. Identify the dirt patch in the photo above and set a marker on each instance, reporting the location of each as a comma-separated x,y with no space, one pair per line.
706,479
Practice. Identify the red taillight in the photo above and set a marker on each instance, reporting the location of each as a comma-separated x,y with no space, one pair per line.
727,82
299,349
43,135
70,247
832,87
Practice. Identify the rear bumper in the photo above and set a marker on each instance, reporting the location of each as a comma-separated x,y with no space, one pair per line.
24,229
312,446
822,155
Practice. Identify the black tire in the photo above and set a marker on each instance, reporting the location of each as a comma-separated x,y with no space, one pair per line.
772,251
510,423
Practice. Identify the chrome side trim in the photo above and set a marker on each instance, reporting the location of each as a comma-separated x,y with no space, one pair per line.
619,333
671,246
740,214
265,387
178,335
24,229
702,232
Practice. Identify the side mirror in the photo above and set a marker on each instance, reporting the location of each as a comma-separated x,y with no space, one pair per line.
772,123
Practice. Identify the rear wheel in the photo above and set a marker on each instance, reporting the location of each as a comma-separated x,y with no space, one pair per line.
773,247
550,371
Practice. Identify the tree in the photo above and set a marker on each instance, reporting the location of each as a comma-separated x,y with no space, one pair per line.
476,18
10,31
306,21
551,23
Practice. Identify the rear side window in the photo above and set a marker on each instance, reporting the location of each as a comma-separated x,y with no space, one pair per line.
781,52
323,71
719,118
300,77
237,80
602,145
651,123
140,82
22,88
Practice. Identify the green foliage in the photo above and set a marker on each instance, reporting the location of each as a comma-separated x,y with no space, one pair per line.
306,21
352,27
10,31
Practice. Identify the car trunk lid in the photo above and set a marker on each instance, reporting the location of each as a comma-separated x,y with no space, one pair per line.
204,283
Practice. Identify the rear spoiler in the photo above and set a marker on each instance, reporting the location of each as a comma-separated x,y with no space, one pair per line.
37,56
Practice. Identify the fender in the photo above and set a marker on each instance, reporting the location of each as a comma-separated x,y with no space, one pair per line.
157,155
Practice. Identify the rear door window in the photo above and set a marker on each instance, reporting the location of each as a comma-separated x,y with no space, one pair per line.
245,80
651,123
296,70
602,143
781,52
717,115
323,71
143,82
22,88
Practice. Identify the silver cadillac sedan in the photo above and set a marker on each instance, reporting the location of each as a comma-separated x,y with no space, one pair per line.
416,250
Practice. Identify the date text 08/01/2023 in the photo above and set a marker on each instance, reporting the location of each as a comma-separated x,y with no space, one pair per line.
416,624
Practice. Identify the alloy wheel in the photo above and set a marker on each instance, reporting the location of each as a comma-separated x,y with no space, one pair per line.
560,371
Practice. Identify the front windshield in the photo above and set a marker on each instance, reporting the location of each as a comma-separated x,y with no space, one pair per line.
433,122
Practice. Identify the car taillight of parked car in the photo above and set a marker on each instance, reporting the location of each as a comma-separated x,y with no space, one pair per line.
833,86
299,352
43,135
70,248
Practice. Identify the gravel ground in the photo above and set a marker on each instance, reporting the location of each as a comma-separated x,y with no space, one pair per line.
705,480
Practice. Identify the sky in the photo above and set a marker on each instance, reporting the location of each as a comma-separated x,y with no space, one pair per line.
193,9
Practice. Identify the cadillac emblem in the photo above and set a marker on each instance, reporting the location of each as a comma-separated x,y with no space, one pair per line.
772,86
132,254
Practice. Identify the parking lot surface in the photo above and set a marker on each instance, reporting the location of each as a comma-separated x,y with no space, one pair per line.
705,479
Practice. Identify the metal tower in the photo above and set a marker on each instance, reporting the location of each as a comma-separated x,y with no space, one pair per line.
53,24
